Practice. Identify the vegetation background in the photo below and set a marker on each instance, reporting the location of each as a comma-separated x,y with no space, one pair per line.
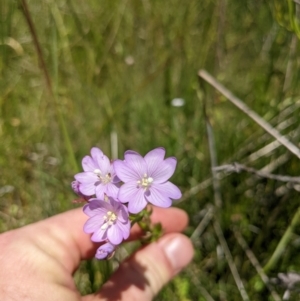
76,74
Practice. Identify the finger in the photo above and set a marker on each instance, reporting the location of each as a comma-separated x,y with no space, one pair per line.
172,220
62,236
146,271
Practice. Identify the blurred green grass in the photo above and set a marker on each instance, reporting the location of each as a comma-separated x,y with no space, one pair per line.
115,67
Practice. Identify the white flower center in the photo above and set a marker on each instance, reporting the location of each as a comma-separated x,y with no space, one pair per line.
109,219
103,178
145,182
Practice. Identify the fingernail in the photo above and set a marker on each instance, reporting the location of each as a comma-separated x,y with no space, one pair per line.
178,250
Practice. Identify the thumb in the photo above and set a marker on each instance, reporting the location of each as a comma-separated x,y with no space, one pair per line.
147,270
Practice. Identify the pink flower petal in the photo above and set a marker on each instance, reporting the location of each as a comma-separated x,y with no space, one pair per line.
86,177
124,172
124,228
138,203
96,153
112,190
156,198
87,188
104,165
168,189
121,211
99,235
88,164
114,177
136,162
96,207
128,192
114,235
165,170
93,224
154,158
100,190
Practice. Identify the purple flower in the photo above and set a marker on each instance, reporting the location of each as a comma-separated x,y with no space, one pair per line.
99,177
109,220
146,179
105,251
75,186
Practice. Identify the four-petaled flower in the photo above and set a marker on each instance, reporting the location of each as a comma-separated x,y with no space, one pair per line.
99,177
109,220
146,179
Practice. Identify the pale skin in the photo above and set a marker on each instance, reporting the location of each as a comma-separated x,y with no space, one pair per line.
37,261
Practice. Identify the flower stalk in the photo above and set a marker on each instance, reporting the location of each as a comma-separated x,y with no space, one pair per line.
282,245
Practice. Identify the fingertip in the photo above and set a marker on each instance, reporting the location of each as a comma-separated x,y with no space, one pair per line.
178,250
173,219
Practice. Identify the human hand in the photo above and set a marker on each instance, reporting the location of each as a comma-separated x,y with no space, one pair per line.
37,261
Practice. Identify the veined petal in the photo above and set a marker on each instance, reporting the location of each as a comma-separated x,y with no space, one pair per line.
165,170
124,172
154,159
104,165
87,188
122,212
129,191
100,190
88,164
114,177
96,207
168,189
124,228
112,190
86,177
96,153
99,235
136,162
114,235
93,224
156,198
138,203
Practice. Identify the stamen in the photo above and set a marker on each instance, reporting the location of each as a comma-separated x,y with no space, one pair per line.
104,226
109,218
103,178
145,182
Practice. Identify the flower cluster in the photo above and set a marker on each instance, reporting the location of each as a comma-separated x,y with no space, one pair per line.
118,191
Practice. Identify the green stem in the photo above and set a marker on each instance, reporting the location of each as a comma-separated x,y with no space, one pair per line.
152,232
293,18
281,247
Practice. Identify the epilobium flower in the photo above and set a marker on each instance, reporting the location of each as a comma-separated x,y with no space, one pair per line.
105,251
146,179
75,186
109,220
99,177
